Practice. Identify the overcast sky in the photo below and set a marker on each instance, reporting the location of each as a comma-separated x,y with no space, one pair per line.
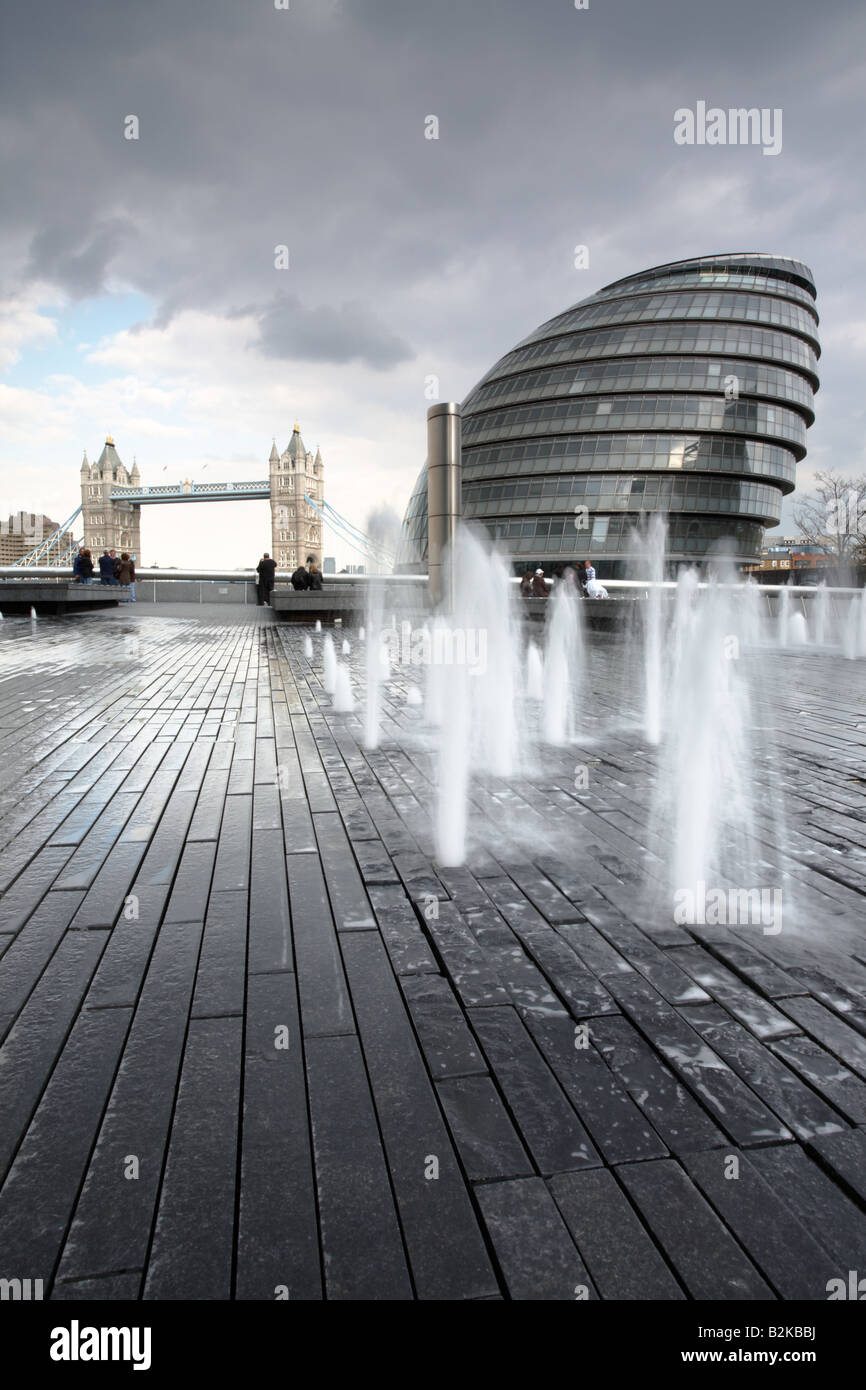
137,277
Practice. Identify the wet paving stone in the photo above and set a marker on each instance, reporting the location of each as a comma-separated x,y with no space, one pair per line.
230,960
620,1255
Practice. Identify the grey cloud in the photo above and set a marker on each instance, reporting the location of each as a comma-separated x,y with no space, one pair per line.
305,127
351,333
74,263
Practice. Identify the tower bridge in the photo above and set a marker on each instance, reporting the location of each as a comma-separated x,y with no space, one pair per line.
112,497
194,492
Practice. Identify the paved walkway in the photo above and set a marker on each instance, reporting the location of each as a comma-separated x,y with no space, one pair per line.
254,1043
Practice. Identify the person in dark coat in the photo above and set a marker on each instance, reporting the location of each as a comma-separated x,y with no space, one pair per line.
85,566
316,580
300,578
125,574
526,584
539,587
106,568
266,570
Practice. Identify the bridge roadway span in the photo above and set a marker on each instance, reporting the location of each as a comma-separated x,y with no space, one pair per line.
230,966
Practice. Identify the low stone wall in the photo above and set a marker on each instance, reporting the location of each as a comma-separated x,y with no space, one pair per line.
53,596
195,591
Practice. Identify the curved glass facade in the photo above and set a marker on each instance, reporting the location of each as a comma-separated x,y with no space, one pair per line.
685,389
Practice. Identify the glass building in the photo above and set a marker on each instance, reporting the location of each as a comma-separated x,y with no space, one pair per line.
685,389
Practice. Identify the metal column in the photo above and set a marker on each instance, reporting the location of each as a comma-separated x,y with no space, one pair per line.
444,494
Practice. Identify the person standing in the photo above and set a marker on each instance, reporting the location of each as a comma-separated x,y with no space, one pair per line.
132,579
106,568
126,575
86,567
115,562
266,570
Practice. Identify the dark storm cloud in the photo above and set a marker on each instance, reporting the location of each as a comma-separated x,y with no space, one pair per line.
350,333
306,128
79,268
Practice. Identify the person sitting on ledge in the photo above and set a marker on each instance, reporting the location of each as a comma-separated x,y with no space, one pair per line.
539,587
526,584
301,578
316,580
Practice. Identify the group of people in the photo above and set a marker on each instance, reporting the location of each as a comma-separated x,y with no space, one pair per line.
580,578
114,569
307,576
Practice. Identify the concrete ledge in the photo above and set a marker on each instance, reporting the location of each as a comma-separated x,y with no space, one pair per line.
57,596
342,600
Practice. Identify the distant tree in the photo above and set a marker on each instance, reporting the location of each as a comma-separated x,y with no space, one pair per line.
834,515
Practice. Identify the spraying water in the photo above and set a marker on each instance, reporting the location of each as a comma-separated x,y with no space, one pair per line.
318,626
329,665
784,616
373,667
435,676
473,680
534,672
343,700
704,801
653,615
798,632
820,614
854,630
563,667
750,613
346,648
308,648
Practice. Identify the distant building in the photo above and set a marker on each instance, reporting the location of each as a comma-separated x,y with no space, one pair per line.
329,565
110,523
685,390
296,527
22,533
353,569
790,553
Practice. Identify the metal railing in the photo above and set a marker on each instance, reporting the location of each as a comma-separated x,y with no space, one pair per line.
64,572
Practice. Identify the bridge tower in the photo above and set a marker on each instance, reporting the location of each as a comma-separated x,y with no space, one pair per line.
296,529
110,525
